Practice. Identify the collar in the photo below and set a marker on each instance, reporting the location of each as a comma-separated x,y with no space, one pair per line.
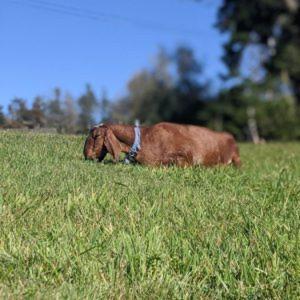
130,157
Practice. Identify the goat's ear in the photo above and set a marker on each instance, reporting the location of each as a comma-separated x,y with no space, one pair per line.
112,145
88,150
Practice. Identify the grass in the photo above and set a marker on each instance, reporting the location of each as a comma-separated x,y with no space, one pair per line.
76,229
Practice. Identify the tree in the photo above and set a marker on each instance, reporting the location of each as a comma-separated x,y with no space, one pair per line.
273,26
38,112
121,111
140,102
70,115
229,112
158,95
104,104
2,117
191,95
87,104
55,114
149,96
20,113
277,120
274,115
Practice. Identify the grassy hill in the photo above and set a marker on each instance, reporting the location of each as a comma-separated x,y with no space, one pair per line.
76,229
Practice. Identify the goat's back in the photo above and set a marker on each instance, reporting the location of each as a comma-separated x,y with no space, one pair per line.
203,145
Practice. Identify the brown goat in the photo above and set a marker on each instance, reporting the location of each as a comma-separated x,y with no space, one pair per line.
164,144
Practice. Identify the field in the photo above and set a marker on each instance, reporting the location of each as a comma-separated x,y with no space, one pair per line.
76,229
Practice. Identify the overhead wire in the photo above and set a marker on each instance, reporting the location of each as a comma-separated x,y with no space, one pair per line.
103,16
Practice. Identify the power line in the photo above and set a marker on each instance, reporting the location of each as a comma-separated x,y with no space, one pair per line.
53,10
102,16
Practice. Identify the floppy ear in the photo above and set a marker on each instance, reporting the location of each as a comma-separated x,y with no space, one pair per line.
112,144
88,149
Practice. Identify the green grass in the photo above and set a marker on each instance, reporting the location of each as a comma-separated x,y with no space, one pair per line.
76,229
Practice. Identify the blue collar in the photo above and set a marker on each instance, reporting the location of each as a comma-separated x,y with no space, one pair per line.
130,157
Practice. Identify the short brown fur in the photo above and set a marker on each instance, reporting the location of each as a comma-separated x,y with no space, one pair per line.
164,144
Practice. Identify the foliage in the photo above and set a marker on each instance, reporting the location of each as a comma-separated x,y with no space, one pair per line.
278,120
158,95
77,229
61,112
38,112
70,115
55,112
271,24
228,113
87,103
19,112
105,107
2,117
276,114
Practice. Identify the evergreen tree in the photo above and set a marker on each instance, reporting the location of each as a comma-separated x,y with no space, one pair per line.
104,104
71,116
55,114
38,112
87,104
19,112
2,117
190,93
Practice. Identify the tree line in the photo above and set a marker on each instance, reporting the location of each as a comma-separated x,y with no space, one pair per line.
260,99
174,90
60,112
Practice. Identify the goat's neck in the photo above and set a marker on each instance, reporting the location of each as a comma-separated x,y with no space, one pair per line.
125,135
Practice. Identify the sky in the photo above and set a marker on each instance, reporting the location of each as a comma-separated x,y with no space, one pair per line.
54,43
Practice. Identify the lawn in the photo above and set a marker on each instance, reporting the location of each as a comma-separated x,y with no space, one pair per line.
70,228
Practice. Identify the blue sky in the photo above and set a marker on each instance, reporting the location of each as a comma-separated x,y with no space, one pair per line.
41,48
